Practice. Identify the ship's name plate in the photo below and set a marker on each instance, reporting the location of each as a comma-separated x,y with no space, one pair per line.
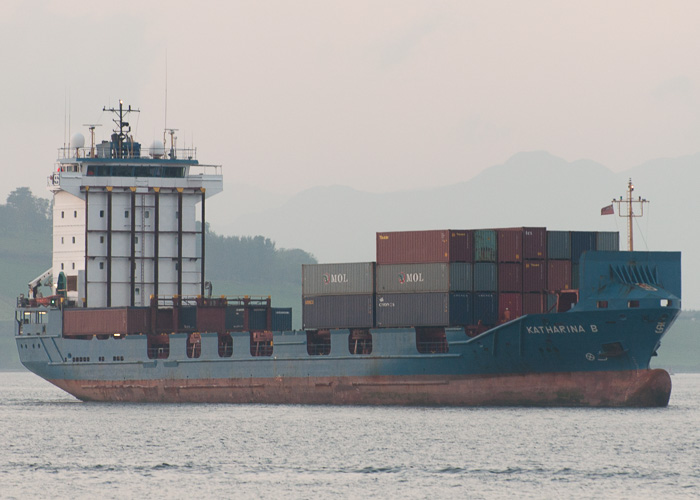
562,329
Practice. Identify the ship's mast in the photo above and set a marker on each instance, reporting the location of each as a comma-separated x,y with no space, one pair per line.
625,208
121,114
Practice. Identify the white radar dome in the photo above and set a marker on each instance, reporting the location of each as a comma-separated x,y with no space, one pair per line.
157,149
77,140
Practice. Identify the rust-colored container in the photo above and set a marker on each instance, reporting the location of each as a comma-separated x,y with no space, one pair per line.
106,321
510,277
558,275
211,319
420,247
534,276
510,244
164,321
534,243
533,303
510,306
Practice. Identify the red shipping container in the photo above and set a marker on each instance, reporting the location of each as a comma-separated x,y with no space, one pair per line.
533,303
534,276
510,244
106,321
421,247
534,242
510,277
211,319
558,275
510,306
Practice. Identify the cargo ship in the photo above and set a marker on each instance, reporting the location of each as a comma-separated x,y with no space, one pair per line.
459,317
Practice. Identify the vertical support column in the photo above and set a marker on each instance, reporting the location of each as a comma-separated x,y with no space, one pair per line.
156,240
204,230
132,258
109,246
179,241
85,273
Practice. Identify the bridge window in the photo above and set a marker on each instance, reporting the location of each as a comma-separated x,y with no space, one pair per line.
633,303
602,304
665,303
102,213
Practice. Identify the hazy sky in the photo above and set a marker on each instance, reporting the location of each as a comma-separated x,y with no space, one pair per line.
377,95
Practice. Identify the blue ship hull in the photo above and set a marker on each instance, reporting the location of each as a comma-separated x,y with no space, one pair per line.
596,354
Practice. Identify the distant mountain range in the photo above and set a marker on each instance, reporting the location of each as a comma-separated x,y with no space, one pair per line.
338,224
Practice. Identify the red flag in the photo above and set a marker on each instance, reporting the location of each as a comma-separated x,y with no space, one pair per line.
607,210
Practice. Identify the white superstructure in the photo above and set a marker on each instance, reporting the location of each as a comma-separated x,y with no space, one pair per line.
124,226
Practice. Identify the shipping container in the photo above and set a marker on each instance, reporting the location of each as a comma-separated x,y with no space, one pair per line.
338,311
416,247
461,277
558,275
534,276
574,276
510,306
510,245
485,306
533,303
485,277
187,316
257,318
551,305
608,240
559,245
106,321
235,317
485,245
211,319
534,243
581,241
411,278
281,319
337,279
510,277
423,309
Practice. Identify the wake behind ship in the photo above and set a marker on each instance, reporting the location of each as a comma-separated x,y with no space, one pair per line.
513,316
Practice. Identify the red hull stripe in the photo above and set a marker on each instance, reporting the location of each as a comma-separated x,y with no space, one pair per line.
642,388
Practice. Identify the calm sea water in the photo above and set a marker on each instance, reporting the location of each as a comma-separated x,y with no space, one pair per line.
54,446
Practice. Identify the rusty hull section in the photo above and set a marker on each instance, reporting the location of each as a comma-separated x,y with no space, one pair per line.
638,388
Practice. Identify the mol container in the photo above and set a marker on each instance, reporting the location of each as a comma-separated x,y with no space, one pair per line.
409,278
423,309
414,247
338,311
337,279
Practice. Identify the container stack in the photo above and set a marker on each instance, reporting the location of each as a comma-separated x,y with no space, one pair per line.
338,295
471,278
424,278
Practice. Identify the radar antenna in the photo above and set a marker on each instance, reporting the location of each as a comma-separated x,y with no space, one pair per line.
121,136
625,208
